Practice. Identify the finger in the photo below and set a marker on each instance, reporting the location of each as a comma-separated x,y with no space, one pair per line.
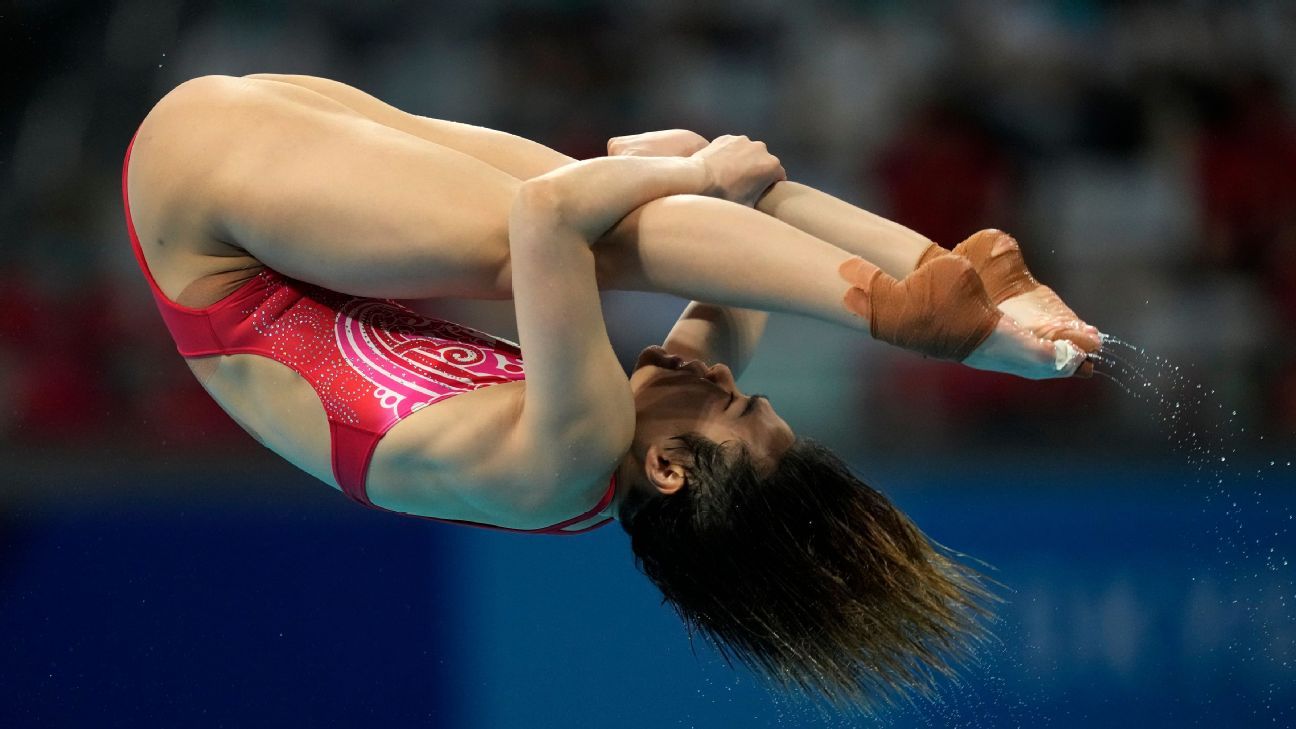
1085,371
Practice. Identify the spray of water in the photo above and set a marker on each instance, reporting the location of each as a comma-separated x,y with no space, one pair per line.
1197,425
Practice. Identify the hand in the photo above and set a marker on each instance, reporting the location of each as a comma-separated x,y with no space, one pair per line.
665,143
739,169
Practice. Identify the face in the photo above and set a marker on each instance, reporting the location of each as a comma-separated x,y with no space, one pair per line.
674,396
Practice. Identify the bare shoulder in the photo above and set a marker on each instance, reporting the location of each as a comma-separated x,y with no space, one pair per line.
467,458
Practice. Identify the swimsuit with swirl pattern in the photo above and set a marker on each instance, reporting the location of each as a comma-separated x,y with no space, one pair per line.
372,362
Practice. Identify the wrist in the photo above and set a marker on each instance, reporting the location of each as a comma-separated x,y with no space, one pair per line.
708,185
929,253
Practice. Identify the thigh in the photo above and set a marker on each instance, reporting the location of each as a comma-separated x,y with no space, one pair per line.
509,153
323,194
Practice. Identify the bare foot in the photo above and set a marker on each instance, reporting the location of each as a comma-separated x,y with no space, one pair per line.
1043,313
1012,349
1037,308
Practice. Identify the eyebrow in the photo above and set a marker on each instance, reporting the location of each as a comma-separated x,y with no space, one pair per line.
751,403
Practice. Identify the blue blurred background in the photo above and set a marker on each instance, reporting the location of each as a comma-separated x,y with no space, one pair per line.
158,568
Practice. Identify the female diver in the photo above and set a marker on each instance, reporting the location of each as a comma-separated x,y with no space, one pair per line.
278,218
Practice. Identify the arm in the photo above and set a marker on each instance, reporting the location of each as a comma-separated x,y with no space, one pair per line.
578,414
714,333
884,243
708,332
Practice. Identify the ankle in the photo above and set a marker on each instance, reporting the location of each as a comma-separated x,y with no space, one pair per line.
998,260
941,310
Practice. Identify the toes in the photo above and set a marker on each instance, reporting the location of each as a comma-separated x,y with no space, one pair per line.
1067,357
1085,370
1083,339
1089,329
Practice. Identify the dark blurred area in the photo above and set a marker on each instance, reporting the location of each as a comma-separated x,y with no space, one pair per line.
1144,153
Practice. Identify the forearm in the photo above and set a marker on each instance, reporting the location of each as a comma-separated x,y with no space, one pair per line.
884,243
594,194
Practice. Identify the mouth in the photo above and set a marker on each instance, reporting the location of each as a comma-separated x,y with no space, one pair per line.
658,357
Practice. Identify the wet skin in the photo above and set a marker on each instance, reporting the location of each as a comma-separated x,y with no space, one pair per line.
674,396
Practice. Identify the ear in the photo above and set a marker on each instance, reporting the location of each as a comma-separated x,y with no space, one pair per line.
664,469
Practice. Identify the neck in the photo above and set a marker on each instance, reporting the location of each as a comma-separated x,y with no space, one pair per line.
626,473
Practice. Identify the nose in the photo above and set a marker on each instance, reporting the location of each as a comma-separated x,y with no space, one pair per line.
720,374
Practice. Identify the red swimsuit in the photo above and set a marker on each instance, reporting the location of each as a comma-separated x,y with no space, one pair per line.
372,362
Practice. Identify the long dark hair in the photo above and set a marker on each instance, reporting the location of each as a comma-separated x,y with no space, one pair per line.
808,575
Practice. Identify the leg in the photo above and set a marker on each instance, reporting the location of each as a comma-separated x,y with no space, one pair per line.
884,243
648,250
712,250
888,245
509,153
414,219
324,194
720,252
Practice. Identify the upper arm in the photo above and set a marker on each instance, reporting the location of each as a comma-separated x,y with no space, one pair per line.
578,414
578,407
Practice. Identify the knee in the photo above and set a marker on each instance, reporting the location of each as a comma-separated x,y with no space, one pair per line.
496,260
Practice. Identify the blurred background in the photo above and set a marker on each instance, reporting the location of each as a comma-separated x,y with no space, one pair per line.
158,567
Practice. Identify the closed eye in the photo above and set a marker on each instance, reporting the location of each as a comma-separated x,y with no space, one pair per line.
751,403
